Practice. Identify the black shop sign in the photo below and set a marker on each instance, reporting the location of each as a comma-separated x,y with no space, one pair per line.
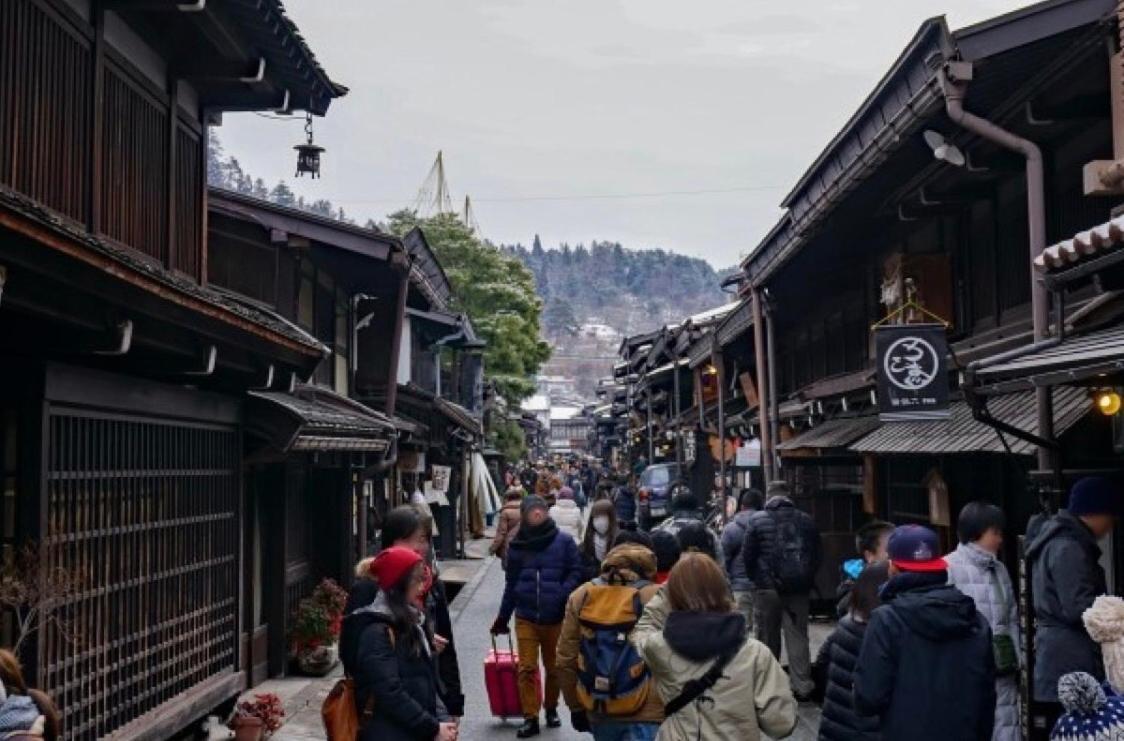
912,372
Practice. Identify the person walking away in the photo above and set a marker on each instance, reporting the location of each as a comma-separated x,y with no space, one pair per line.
1092,712
783,553
666,547
716,683
975,569
696,537
926,668
410,527
606,684
543,569
836,663
1066,578
567,515
25,714
507,525
396,679
599,536
733,537
870,544
686,508
624,499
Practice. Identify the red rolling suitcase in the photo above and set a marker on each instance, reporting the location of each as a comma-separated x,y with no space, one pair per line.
501,677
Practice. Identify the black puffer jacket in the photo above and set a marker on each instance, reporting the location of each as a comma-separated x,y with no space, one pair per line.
1067,577
402,680
840,653
926,666
759,549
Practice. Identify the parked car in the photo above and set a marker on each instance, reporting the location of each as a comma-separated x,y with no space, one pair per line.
653,493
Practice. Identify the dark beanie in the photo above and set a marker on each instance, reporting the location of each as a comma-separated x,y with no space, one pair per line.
532,502
1094,495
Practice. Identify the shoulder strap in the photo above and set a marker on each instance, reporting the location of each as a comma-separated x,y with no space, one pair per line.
696,687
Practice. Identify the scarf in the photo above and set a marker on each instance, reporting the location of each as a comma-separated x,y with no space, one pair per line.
19,713
908,580
535,538
600,546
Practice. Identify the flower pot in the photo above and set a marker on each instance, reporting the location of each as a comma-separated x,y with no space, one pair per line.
248,728
317,662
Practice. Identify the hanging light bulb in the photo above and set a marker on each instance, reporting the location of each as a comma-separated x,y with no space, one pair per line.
308,154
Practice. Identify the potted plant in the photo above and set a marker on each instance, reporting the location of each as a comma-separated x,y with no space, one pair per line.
257,718
316,628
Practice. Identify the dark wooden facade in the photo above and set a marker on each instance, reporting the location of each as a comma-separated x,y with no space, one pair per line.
326,277
124,375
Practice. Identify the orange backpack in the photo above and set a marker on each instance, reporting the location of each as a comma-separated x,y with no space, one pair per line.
342,720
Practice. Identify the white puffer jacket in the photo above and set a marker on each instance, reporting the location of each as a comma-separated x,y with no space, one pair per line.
568,518
981,576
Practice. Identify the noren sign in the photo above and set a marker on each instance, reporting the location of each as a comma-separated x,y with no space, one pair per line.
912,372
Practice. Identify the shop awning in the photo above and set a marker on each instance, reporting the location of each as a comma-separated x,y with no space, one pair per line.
832,433
1074,359
962,433
1106,236
316,419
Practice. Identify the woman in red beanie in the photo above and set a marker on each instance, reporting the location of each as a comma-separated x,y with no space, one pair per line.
396,684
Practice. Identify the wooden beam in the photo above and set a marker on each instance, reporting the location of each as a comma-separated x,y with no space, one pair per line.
170,257
97,115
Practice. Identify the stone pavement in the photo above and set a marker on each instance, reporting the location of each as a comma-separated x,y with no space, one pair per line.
472,612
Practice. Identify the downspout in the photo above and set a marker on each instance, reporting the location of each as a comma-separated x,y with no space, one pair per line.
720,366
677,411
764,392
771,355
399,263
954,79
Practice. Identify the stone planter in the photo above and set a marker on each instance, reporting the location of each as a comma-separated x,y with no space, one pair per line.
317,662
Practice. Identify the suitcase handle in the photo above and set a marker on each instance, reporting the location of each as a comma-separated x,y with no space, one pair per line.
510,644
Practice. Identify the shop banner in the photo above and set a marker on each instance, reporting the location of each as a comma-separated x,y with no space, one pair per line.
912,372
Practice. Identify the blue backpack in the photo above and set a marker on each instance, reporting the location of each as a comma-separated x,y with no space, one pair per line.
613,681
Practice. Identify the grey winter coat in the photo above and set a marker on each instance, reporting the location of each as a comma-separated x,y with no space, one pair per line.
1066,577
981,576
733,535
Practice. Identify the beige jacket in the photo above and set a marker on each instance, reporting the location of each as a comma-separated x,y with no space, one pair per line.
507,524
631,562
753,673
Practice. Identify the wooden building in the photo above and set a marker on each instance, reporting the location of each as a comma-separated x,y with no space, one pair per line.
313,456
125,374
913,200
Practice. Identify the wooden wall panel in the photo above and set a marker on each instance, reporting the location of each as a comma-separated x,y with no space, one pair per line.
134,166
187,251
45,107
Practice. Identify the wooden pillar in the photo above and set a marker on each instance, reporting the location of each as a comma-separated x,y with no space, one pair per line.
97,115
764,393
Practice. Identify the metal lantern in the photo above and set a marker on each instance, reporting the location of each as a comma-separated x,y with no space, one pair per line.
308,154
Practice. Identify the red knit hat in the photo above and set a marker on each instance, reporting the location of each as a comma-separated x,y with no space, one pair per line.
392,564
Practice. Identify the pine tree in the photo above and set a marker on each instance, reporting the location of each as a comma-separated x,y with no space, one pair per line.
283,195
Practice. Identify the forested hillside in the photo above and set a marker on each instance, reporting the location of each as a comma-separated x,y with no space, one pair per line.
595,295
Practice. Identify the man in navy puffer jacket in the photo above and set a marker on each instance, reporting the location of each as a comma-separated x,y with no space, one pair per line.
543,568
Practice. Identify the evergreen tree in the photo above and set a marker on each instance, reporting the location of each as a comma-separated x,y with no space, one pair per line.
283,195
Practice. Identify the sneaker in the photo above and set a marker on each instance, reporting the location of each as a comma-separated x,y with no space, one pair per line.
529,728
552,719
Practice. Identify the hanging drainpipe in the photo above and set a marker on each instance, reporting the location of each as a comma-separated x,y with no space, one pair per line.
764,391
954,83
771,358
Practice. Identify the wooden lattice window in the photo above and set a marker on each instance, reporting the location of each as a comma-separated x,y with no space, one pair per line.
144,511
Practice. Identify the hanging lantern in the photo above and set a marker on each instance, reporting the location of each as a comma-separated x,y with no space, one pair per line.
308,154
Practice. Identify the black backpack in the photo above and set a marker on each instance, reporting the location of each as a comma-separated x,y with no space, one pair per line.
792,554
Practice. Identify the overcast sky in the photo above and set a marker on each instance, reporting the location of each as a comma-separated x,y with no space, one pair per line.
589,119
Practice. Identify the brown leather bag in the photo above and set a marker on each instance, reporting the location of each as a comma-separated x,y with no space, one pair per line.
341,716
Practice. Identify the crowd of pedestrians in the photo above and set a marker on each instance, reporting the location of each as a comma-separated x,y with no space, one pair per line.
678,633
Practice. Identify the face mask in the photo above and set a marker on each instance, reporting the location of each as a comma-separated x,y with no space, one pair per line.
601,525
